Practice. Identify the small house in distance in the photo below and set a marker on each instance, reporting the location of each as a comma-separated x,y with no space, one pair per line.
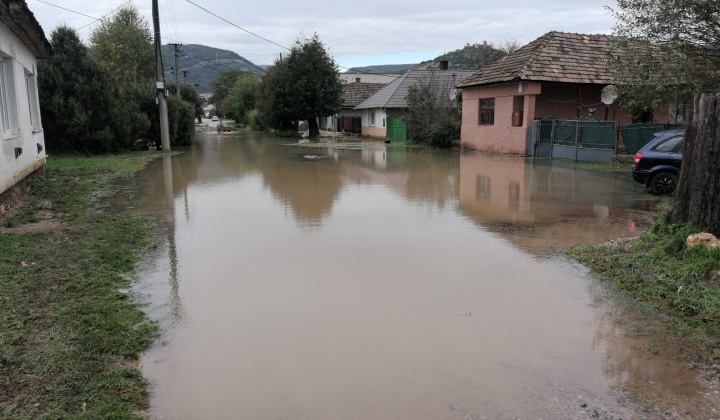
382,112
22,155
559,76
347,120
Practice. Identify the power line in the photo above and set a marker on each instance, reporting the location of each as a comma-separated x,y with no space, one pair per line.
239,27
60,7
104,16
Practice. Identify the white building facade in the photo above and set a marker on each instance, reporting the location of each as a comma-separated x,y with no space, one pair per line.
22,42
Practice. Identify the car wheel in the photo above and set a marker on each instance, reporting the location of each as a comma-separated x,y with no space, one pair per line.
663,183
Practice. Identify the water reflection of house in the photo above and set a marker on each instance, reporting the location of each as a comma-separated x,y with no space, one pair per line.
545,202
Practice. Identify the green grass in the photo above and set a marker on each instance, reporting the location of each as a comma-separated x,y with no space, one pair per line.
67,334
659,270
607,166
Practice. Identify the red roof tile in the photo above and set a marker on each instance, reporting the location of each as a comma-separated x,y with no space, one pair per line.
554,57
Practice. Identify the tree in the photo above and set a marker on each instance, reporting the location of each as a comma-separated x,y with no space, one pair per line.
433,114
697,196
303,86
124,45
82,107
242,96
668,51
222,86
490,53
670,54
189,95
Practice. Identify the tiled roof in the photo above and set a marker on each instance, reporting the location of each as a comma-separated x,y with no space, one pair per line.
393,94
554,57
21,22
354,93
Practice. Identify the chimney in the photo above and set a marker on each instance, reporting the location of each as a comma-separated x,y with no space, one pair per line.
443,64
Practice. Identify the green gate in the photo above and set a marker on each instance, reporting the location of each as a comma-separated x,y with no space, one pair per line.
396,129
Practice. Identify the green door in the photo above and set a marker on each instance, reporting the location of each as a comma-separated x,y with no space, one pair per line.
396,129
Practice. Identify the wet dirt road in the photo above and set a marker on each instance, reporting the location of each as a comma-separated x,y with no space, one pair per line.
393,283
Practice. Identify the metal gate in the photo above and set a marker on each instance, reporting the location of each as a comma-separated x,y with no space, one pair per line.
588,141
349,124
396,129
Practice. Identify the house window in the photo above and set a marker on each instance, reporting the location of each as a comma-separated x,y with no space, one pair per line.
372,117
4,108
487,111
383,122
33,107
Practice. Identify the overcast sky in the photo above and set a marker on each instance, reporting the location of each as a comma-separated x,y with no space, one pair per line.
363,33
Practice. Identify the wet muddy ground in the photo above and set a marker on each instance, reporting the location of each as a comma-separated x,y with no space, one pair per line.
391,283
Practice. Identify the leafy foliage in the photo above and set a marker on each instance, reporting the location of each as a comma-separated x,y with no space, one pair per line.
124,45
82,106
221,92
473,56
242,96
433,115
189,95
668,51
303,86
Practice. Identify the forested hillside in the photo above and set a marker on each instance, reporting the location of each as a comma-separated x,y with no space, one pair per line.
203,64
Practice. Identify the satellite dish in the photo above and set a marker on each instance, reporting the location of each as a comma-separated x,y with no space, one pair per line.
608,95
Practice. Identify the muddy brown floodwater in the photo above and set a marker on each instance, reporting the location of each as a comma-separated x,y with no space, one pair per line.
393,283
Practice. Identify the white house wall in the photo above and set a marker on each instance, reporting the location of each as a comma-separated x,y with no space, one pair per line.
24,134
376,128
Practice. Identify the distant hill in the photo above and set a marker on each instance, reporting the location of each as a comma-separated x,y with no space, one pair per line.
384,68
203,64
467,58
470,57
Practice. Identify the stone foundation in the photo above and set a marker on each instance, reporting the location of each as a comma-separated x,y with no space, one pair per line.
11,199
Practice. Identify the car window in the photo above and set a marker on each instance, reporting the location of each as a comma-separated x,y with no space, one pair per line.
669,145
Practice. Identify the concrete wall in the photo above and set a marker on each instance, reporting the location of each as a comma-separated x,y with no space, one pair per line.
376,128
572,102
26,130
502,136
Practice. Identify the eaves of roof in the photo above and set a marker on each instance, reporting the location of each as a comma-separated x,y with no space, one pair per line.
393,95
554,57
16,15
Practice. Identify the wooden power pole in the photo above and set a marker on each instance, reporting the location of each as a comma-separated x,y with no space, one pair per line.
177,70
164,126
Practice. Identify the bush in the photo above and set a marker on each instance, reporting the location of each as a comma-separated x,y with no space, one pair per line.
286,134
83,108
443,134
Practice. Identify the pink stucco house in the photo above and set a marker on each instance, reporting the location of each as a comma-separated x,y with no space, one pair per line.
557,76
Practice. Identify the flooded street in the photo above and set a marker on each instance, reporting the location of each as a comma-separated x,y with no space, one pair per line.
391,283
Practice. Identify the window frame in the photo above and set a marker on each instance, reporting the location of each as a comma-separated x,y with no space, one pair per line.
5,122
486,111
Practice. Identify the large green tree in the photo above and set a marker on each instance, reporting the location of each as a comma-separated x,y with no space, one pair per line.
668,51
671,54
222,86
303,86
124,45
82,107
242,96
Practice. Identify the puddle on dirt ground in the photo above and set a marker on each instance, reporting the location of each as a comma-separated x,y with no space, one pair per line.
390,283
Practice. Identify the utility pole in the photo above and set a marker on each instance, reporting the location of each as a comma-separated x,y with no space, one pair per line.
164,126
177,70
184,77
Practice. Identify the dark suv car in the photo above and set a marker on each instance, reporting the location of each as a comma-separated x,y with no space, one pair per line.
657,164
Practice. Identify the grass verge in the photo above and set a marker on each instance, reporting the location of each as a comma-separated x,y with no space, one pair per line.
659,270
69,338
